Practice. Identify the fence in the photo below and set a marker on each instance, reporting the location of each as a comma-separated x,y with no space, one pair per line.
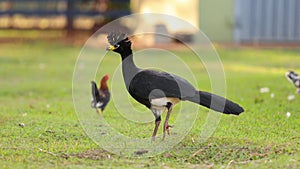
58,14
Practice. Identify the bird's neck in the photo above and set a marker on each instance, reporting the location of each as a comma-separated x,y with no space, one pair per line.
103,85
129,69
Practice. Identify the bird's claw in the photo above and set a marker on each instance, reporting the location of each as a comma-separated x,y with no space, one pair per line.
167,128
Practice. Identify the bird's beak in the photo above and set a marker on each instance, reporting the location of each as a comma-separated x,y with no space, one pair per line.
111,48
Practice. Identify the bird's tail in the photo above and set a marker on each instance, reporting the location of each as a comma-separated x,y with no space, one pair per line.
95,94
216,103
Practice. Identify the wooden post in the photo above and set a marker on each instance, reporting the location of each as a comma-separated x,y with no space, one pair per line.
70,17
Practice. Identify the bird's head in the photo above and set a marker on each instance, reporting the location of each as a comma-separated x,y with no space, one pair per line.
119,43
105,78
291,75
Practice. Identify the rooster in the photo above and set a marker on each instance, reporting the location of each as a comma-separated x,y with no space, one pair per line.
295,79
101,96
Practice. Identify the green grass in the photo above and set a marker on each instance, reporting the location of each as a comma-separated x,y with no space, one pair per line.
36,89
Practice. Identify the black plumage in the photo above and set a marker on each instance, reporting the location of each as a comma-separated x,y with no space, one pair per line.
147,85
161,90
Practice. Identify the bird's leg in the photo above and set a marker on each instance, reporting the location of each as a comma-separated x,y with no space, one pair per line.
166,125
157,122
98,112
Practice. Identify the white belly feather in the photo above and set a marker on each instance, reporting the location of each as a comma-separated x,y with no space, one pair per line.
158,106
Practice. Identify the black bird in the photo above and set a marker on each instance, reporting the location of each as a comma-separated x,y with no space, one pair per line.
101,96
161,90
294,78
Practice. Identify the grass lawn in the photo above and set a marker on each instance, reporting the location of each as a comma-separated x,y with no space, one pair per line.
36,90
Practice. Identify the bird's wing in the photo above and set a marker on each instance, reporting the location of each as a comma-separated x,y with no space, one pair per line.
104,95
104,98
150,84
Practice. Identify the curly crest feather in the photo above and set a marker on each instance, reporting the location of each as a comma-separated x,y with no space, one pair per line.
114,38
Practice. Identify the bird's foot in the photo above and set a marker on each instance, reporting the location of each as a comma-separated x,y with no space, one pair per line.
166,129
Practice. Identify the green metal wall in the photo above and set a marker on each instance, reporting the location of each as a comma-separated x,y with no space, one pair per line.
217,19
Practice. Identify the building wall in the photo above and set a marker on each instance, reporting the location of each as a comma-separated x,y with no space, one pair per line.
183,9
179,17
267,21
216,19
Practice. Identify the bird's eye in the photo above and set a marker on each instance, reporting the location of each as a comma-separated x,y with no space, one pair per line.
116,46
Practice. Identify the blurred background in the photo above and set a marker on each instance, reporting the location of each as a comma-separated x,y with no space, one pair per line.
227,21
257,41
